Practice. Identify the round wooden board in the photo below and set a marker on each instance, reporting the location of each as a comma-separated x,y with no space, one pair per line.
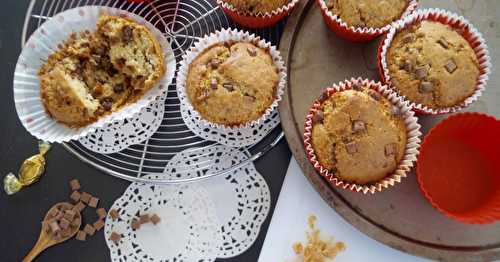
399,217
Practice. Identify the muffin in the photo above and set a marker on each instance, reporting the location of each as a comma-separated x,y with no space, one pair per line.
358,135
95,73
257,6
431,64
368,13
232,83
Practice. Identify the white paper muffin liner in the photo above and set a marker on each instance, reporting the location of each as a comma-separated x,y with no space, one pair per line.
472,35
44,42
412,5
220,37
412,132
284,9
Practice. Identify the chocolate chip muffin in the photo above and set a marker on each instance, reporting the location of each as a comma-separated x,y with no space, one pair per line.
257,6
432,64
367,13
232,83
95,73
358,135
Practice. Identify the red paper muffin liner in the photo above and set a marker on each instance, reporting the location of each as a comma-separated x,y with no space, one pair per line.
458,169
411,150
259,20
357,34
468,31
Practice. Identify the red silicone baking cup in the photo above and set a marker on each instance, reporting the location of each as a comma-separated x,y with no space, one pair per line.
259,20
411,150
468,31
358,34
458,168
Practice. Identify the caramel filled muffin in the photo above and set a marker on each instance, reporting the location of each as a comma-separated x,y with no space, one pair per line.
358,135
95,73
431,64
232,83
367,13
257,6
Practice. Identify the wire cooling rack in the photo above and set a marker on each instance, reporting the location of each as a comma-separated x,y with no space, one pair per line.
183,22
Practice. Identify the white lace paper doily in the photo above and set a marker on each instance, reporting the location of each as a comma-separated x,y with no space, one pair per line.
235,137
242,198
121,134
187,232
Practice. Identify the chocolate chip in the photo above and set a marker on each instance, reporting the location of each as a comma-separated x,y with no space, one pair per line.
407,38
426,87
375,95
357,87
395,111
127,34
118,88
214,63
358,126
107,103
252,51
228,86
407,66
443,43
351,147
318,117
323,97
450,66
391,149
421,72
213,83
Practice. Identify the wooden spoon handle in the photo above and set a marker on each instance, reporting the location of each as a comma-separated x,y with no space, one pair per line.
40,246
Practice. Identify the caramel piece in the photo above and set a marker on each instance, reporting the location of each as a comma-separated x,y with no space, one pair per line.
93,202
98,224
443,43
135,224
79,207
115,237
450,66
155,219
89,229
114,214
81,235
144,219
85,197
74,184
54,226
76,222
101,212
69,214
75,196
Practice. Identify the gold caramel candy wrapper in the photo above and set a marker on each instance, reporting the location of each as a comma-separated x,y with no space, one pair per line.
30,171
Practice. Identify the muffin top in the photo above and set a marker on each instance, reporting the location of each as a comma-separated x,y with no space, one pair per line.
431,64
367,13
257,6
358,135
232,83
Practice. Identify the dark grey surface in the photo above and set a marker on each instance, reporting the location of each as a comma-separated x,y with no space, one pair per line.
20,214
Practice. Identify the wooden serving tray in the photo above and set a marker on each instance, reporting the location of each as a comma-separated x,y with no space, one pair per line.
400,216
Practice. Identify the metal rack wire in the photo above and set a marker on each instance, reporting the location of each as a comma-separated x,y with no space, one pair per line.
183,22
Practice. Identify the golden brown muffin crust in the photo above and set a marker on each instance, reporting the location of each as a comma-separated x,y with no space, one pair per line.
431,64
368,13
257,6
359,135
232,83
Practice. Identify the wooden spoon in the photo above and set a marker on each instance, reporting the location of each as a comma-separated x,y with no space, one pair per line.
48,239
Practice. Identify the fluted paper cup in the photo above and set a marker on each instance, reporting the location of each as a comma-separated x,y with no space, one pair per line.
44,42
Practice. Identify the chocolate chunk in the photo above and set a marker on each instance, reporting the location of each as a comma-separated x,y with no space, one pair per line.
81,235
407,66
127,34
375,95
93,202
443,43
358,126
89,229
450,66
76,222
214,63
318,117
252,51
351,147
64,223
407,38
98,224
391,149
135,224
69,215
114,214
85,197
118,88
395,111
115,237
75,196
54,226
155,219
323,97
101,212
421,72
74,184
228,86
107,103
144,219
357,87
426,87
79,207
213,83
